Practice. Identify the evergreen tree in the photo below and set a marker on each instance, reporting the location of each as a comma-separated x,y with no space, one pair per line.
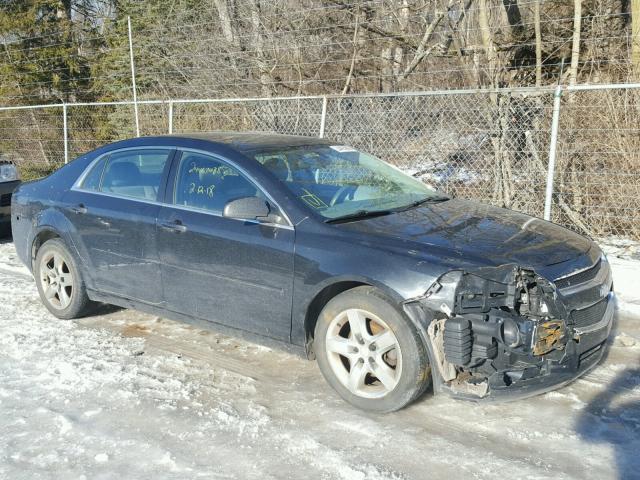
47,49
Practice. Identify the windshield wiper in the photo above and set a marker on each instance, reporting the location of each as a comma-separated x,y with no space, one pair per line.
359,215
417,203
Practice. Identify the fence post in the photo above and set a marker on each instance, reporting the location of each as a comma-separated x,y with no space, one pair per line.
555,120
170,117
65,132
323,117
133,78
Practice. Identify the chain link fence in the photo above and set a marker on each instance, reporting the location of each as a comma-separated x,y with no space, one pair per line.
596,186
491,145
294,116
33,138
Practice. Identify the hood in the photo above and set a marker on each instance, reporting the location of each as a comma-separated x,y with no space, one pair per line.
479,233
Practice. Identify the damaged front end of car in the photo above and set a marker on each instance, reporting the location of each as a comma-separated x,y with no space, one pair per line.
506,332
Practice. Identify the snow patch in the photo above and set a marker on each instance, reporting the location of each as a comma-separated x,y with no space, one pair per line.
85,400
101,458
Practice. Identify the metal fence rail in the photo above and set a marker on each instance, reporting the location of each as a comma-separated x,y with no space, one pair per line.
569,154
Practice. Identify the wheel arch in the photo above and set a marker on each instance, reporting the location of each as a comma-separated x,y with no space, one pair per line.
43,234
52,223
332,289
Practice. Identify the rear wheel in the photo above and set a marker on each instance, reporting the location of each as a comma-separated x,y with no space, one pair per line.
59,281
369,353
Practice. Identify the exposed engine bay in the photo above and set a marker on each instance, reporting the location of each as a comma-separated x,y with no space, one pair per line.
495,328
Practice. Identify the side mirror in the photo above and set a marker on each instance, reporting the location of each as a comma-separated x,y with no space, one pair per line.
246,208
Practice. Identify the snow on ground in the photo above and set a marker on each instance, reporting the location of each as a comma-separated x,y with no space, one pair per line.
624,257
128,395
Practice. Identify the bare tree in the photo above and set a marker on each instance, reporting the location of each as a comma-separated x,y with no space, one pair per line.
422,50
487,40
635,37
266,80
575,49
224,15
514,17
538,34
356,46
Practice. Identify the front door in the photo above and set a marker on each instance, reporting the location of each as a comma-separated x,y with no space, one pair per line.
114,212
233,272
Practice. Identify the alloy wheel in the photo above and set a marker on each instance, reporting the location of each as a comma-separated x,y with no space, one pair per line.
56,280
363,353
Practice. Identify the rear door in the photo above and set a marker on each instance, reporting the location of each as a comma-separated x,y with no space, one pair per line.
114,210
233,272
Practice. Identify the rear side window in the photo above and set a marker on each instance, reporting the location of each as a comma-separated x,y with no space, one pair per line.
207,183
92,180
134,173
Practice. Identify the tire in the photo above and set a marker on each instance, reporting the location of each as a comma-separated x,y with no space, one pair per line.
381,344
59,281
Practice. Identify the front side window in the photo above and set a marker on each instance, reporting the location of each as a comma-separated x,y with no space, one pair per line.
134,173
207,183
338,181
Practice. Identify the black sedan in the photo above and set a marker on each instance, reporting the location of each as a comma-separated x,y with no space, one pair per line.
324,249
9,181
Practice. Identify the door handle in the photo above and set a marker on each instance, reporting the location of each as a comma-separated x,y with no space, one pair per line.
175,227
79,209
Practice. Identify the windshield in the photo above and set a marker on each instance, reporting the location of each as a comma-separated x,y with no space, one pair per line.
338,181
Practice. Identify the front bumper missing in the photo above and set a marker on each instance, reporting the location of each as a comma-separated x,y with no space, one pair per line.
582,352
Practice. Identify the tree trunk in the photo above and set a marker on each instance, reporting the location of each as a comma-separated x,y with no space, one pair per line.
514,17
487,40
575,49
225,20
266,80
502,155
388,59
635,38
468,68
536,26
347,83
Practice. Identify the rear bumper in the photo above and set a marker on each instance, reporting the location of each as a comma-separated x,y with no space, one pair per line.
582,353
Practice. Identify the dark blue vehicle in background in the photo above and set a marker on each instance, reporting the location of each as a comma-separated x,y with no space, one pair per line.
9,181
390,285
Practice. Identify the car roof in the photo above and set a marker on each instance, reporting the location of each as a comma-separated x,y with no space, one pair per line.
251,141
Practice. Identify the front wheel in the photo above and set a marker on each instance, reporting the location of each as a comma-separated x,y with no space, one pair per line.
59,282
369,353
